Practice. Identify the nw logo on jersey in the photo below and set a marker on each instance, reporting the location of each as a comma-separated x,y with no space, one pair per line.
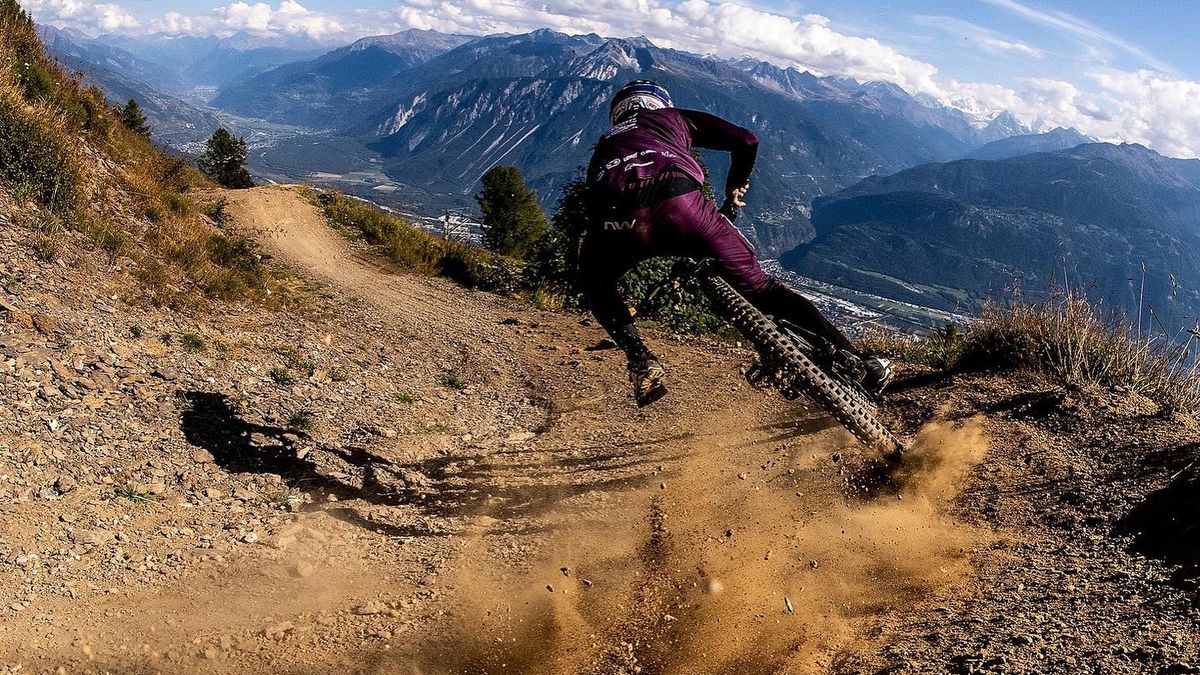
620,224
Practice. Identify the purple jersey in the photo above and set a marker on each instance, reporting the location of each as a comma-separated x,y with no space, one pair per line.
656,143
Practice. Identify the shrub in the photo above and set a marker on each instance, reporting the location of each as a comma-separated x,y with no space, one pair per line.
235,267
474,268
176,203
416,250
675,304
295,359
941,348
453,381
35,163
1067,337
35,80
301,420
1080,343
282,376
108,237
216,211
193,342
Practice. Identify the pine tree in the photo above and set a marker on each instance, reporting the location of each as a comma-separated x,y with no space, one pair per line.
512,220
225,160
133,119
553,263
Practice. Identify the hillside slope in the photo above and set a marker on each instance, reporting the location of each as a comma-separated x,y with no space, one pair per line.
470,486
1024,144
316,92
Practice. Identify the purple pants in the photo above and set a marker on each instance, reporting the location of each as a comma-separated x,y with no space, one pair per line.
686,225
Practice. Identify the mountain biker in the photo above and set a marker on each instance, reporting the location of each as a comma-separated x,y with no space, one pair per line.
646,201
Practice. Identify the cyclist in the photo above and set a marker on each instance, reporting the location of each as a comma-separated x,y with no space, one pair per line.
646,201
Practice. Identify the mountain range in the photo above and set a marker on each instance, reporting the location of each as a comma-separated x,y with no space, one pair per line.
538,100
329,90
859,184
159,90
429,113
1119,221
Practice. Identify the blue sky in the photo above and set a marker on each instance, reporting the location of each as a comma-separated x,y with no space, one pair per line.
1115,70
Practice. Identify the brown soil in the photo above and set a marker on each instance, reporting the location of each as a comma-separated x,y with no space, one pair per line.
415,478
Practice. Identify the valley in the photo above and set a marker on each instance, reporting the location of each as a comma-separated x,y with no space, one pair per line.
410,121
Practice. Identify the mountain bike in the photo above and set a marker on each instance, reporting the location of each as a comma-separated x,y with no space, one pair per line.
793,360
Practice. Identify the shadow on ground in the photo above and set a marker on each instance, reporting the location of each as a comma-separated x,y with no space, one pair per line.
1166,524
506,485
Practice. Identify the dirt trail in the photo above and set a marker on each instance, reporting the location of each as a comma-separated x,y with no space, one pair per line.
712,509
720,530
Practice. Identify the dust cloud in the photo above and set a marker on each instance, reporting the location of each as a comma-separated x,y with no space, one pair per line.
718,571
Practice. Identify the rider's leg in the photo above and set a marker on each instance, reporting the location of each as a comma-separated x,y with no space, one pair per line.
599,276
704,232
602,263
779,300
707,233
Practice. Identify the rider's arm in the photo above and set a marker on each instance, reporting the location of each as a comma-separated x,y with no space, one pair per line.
714,133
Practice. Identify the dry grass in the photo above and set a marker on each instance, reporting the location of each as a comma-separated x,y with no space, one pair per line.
941,348
1068,337
418,251
66,158
1081,344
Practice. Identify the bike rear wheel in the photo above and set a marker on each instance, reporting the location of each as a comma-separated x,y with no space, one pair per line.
845,405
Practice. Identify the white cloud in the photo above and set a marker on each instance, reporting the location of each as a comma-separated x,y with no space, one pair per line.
288,18
1158,111
105,17
722,28
1142,106
1092,35
986,39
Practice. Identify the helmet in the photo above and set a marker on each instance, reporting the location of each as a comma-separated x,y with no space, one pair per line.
638,95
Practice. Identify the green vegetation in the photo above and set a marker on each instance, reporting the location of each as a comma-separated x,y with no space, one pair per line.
512,220
552,270
295,359
224,160
548,276
134,493
1074,340
941,348
216,211
59,144
131,116
453,381
301,420
416,250
282,376
193,342
35,162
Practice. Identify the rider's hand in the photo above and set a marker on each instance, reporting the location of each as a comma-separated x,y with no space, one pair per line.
735,195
